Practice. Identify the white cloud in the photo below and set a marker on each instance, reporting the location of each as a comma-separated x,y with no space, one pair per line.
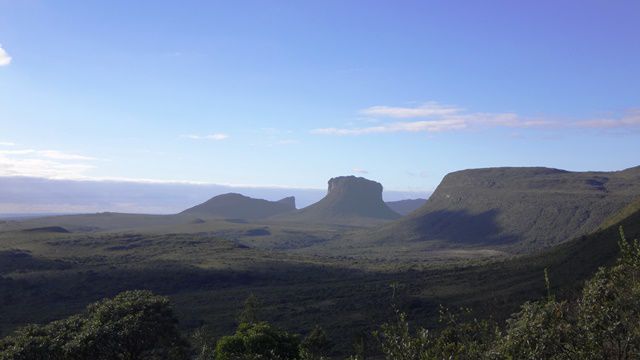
630,120
216,137
59,155
43,163
7,143
287,142
413,126
428,109
359,171
49,154
5,59
435,118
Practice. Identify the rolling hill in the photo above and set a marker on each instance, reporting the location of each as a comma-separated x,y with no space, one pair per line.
233,205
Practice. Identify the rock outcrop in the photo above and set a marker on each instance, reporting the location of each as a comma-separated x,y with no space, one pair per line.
350,200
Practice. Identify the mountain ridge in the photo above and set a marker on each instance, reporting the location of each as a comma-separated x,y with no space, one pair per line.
521,208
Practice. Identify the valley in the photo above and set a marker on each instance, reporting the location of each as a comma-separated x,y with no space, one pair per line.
339,271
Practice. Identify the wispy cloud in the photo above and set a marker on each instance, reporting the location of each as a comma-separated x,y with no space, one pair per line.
420,174
359,171
215,137
428,109
44,163
59,155
432,117
5,59
48,154
7,143
629,120
287,142
412,126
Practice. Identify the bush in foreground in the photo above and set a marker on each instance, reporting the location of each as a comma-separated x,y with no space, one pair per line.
132,325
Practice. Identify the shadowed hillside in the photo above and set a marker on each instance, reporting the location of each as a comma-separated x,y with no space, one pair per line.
527,208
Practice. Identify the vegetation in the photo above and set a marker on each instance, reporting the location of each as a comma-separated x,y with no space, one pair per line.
208,269
258,341
513,209
602,323
132,325
44,277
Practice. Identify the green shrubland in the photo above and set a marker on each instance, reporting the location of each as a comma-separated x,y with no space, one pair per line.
602,322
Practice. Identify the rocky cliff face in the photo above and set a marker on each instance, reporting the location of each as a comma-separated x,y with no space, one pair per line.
349,200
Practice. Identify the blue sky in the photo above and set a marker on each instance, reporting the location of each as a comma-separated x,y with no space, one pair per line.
291,93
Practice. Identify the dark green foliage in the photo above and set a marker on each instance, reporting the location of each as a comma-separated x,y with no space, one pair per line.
258,341
609,310
52,341
203,343
133,325
250,312
316,346
541,330
603,324
458,339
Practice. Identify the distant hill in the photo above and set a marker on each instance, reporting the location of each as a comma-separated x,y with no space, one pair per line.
238,206
522,209
48,229
404,207
350,200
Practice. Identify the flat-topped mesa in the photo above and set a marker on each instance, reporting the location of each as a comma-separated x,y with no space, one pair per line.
349,200
234,205
356,194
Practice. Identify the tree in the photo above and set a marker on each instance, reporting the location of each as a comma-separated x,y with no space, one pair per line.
609,310
258,341
34,342
133,325
204,343
250,312
604,324
459,338
316,346
541,330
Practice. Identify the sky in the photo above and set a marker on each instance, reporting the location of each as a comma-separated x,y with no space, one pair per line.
291,93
